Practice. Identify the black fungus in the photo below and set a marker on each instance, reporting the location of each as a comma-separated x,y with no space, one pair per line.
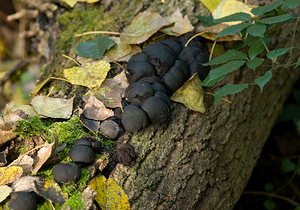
189,54
138,70
110,129
138,57
82,154
161,57
138,92
22,200
196,66
134,118
163,96
126,155
156,109
66,172
181,65
174,45
83,141
173,79
157,86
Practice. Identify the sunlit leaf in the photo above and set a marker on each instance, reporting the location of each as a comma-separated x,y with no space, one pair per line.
220,72
53,107
257,29
191,94
255,62
109,195
4,192
95,48
277,19
143,26
71,3
261,81
278,52
233,29
211,4
89,74
228,89
10,174
227,56
258,11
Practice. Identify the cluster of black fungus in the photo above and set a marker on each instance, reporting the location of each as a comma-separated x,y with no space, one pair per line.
156,73
23,200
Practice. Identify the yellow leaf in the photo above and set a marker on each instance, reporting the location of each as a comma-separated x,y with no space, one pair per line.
191,94
10,174
211,4
109,194
212,31
71,3
89,74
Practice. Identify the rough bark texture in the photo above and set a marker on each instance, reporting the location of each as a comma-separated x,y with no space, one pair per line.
203,161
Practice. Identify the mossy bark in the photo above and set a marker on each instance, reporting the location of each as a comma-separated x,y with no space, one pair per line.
198,161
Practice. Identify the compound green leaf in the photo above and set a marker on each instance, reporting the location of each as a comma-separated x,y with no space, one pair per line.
256,48
290,4
239,16
220,72
257,29
95,48
275,53
227,56
277,19
258,11
261,81
228,89
233,29
255,62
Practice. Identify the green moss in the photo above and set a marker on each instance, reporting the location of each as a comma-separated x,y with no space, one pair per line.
30,128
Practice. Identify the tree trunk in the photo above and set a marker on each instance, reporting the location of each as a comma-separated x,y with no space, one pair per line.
202,161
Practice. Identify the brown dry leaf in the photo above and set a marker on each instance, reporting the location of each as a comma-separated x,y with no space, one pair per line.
10,174
26,183
3,160
118,51
43,155
211,31
95,109
181,25
144,25
26,162
112,90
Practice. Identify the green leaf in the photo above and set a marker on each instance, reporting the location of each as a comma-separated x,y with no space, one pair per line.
261,81
298,63
96,48
258,11
288,165
290,4
275,53
228,89
257,29
227,56
256,48
277,19
239,16
255,62
233,29
269,187
290,112
220,72
269,204
206,20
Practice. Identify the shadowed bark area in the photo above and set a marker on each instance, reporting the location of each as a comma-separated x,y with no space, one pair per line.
203,161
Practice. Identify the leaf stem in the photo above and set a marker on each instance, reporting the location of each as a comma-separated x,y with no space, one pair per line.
193,37
97,32
264,44
224,99
72,59
212,50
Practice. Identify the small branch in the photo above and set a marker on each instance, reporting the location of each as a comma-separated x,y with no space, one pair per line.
193,37
72,59
115,62
272,195
97,32
265,44
212,50
224,99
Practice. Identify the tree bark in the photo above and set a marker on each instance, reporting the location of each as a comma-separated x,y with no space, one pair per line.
203,161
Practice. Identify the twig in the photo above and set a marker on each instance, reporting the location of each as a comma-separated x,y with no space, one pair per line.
212,50
193,37
12,23
265,44
272,195
224,99
72,59
115,62
97,32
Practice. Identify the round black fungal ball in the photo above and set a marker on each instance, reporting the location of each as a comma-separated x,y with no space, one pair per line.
82,154
22,200
138,57
196,66
181,65
163,96
126,155
161,57
138,70
150,80
110,129
134,118
156,109
138,92
66,172
189,54
83,141
173,45
157,86
173,79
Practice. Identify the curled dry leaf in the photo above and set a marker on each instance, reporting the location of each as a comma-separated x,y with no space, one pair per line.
119,51
95,109
26,183
43,155
26,162
10,174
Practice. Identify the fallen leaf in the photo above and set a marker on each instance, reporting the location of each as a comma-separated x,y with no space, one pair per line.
89,74
5,192
71,3
95,109
50,190
26,183
118,51
26,162
211,4
43,155
3,160
10,174
95,48
40,86
7,132
211,31
109,194
27,109
191,94
112,90
181,25
53,107
144,25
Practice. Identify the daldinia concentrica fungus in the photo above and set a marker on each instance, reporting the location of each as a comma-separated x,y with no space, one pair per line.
138,92
126,155
173,45
134,118
165,98
138,70
82,154
157,86
156,109
138,57
22,200
110,129
173,79
83,141
66,172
